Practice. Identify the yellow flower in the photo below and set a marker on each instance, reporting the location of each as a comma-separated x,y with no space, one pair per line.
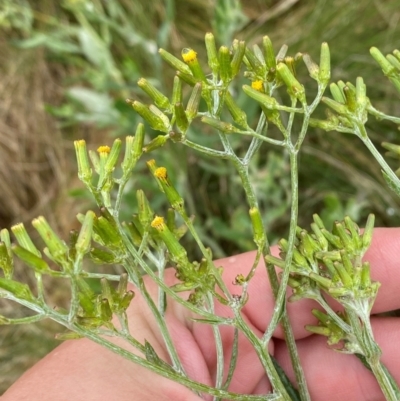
103,149
158,223
189,55
161,172
258,85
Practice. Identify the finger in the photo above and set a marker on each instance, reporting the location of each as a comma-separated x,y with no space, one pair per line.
82,371
260,305
385,268
335,376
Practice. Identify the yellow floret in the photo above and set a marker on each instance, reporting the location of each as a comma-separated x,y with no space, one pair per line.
161,172
103,149
257,85
158,222
189,55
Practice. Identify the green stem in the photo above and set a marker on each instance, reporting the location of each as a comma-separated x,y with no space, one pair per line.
173,354
263,356
363,135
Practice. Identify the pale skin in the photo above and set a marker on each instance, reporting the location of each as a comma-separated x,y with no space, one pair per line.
80,370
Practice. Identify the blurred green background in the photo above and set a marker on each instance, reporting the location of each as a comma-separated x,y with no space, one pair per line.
66,68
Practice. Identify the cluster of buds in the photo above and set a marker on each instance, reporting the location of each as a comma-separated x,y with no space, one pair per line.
331,261
350,104
390,65
104,162
97,310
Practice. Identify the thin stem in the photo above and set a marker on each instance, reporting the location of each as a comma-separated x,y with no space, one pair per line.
205,150
334,316
234,358
173,354
218,347
363,135
382,116
263,356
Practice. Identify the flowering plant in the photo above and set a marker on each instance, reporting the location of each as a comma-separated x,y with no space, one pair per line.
318,264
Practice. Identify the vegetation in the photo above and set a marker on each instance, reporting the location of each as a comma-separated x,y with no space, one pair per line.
90,47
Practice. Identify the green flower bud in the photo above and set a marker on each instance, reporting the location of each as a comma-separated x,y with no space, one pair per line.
331,268
367,234
85,235
321,330
325,64
175,200
174,62
238,115
354,231
338,107
212,53
361,92
106,291
156,143
258,227
224,127
384,63
21,291
6,261
24,240
320,237
225,64
105,310
344,275
350,96
31,259
326,125
126,300
270,60
253,63
154,120
190,58
189,79
101,256
133,149
94,158
344,236
324,282
135,235
347,262
176,91
193,103
145,212
176,250
237,58
337,93
84,170
290,63
171,224
332,239
181,120
122,284
365,275
158,98
293,85
113,156
318,221
107,232
274,261
262,98
57,248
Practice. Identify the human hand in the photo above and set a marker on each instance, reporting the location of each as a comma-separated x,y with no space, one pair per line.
82,370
